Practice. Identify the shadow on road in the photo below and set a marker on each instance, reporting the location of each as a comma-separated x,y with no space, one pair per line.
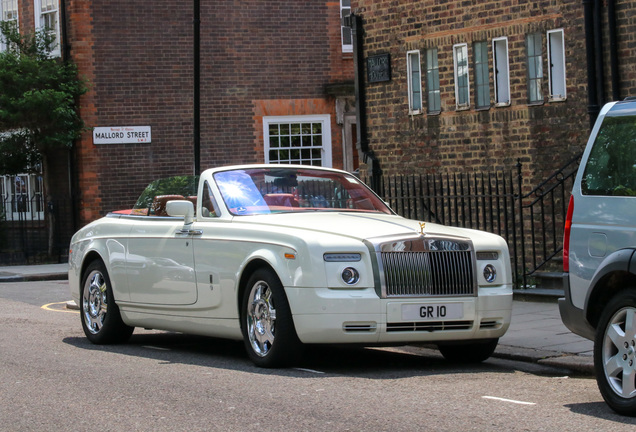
600,410
371,363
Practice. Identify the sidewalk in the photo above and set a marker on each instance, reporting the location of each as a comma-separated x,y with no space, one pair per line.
536,332
34,273
538,335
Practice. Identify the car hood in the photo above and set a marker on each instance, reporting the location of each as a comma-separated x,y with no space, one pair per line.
357,225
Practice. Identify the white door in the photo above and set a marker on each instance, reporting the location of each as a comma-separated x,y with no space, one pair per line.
160,263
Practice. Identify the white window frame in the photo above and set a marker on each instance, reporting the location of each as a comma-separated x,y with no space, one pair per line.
501,70
345,10
39,23
534,61
434,98
463,47
556,65
482,75
414,77
325,120
3,12
33,190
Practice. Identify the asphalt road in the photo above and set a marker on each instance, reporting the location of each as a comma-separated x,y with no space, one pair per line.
53,379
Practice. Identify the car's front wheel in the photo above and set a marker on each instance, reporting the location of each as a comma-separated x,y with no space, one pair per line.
268,328
468,352
100,315
615,353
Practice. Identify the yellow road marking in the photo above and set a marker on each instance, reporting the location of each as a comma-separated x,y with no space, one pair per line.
57,307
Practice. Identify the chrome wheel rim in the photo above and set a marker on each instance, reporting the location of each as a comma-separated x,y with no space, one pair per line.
619,353
261,319
94,302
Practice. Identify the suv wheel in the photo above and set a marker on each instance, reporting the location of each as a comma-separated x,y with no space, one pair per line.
615,353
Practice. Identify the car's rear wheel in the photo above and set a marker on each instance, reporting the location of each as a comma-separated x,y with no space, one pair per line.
268,328
615,353
100,315
468,352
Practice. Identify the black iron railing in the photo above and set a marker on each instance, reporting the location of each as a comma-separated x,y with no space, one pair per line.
32,231
531,222
541,215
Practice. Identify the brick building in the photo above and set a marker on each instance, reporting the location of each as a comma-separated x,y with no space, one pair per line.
263,66
275,84
475,86
445,86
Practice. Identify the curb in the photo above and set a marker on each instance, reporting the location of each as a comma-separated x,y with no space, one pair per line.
11,277
581,364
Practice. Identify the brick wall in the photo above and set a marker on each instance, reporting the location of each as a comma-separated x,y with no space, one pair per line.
139,72
626,39
542,136
139,62
275,58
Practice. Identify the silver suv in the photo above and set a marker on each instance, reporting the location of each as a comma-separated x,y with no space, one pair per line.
599,254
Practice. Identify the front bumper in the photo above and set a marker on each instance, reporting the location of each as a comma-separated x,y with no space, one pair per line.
360,317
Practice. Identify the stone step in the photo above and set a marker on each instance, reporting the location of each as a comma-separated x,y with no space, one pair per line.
547,286
549,280
538,294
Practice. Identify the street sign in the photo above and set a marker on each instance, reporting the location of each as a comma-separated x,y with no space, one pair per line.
122,135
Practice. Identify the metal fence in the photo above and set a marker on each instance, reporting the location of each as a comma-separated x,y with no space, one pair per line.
532,223
32,231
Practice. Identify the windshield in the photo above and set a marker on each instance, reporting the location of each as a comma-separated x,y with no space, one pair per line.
276,190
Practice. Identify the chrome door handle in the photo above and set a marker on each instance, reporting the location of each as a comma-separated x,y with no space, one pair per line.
189,232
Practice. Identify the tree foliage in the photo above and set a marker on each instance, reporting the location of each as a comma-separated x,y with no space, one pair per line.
179,185
38,100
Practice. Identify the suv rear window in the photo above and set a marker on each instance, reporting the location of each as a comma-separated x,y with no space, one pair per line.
611,168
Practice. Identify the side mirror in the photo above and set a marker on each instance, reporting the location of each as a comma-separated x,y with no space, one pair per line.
181,208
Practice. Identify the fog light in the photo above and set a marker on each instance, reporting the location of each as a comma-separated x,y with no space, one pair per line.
490,273
350,276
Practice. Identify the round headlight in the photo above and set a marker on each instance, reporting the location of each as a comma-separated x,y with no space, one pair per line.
490,273
350,276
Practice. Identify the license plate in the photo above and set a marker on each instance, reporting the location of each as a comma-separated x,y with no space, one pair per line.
435,311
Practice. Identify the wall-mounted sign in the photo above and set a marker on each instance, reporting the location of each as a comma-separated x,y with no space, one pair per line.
379,68
122,135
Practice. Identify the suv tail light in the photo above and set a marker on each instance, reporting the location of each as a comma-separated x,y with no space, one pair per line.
566,236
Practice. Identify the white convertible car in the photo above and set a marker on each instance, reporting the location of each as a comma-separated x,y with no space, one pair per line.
285,255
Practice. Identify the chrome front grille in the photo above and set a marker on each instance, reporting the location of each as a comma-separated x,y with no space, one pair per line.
427,267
